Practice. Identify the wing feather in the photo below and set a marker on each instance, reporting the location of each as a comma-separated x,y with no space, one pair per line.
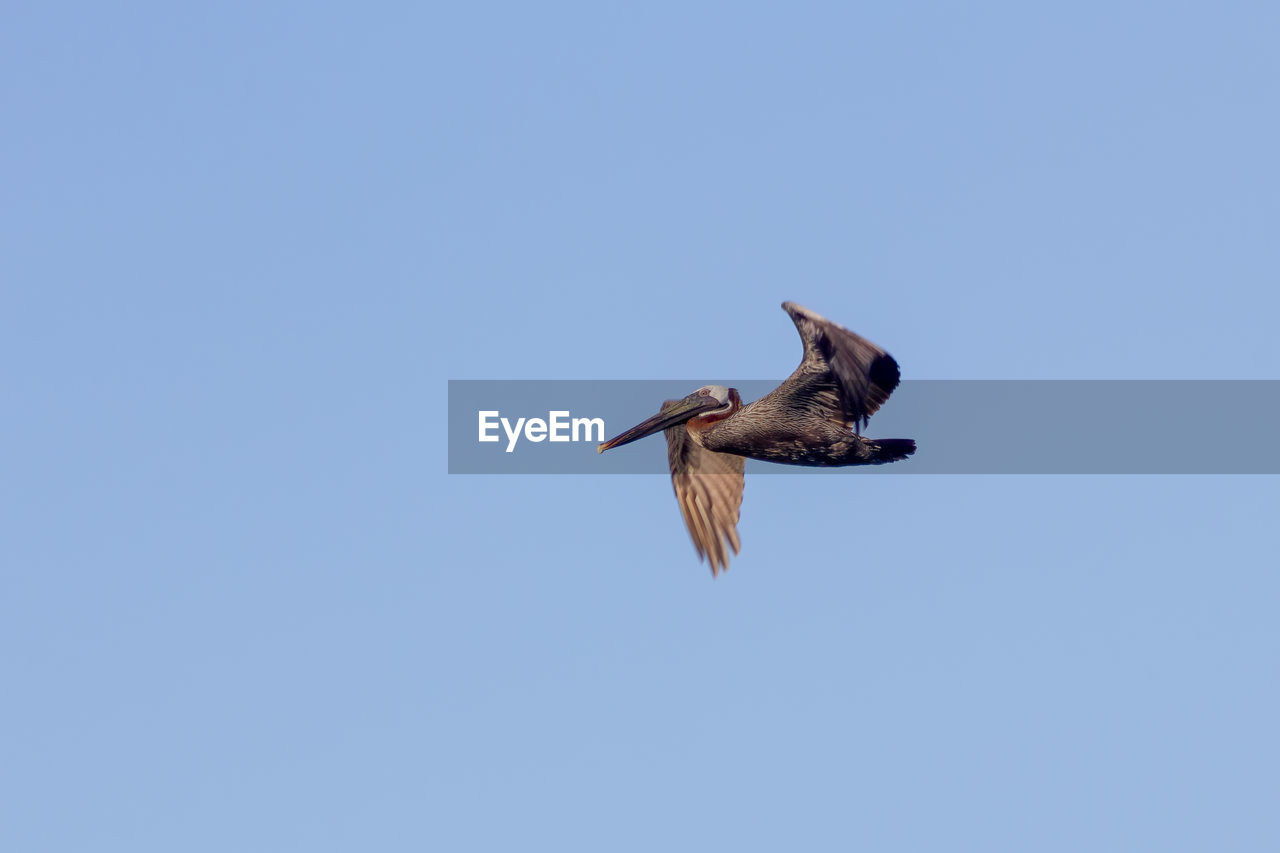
708,487
842,373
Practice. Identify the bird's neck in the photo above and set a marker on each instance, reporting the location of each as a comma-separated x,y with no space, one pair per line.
700,425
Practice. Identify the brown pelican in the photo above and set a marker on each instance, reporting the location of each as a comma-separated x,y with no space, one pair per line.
815,417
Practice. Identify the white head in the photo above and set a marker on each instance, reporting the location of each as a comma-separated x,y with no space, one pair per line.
719,393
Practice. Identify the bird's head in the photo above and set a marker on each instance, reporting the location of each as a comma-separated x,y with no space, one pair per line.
708,403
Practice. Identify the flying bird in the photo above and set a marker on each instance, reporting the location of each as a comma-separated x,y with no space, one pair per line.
814,418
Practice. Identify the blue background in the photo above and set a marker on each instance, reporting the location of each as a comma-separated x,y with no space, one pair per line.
243,247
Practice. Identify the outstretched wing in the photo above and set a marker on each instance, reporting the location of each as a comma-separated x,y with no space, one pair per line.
842,373
708,487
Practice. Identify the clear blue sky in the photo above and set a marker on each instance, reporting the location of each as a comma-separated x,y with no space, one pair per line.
243,247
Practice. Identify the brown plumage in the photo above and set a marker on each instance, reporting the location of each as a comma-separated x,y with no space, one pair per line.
815,418
708,487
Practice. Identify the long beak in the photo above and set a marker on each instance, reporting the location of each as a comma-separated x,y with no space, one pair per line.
672,413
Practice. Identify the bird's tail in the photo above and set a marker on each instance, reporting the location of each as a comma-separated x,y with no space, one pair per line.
891,450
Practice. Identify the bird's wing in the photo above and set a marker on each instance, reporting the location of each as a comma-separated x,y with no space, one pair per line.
708,487
843,374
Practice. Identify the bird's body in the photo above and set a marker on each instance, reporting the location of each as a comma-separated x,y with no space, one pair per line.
769,430
814,418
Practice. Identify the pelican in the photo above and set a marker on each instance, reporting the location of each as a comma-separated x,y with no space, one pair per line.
814,418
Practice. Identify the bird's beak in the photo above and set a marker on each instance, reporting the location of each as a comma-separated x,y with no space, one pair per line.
672,413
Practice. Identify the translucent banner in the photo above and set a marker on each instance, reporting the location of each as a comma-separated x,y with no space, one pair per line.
960,426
